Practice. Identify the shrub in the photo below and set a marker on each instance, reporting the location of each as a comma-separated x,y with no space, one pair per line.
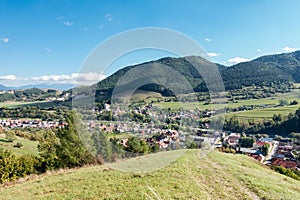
12,167
18,145
10,137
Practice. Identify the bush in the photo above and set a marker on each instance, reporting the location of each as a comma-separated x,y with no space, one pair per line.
18,145
288,172
12,167
10,137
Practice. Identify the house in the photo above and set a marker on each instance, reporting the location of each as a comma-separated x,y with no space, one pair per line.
266,140
284,163
257,157
259,145
248,151
233,139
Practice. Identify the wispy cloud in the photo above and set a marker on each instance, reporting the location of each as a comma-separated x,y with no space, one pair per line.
109,17
208,39
236,60
212,54
101,26
289,49
258,50
68,23
48,49
5,40
60,17
8,78
85,29
75,78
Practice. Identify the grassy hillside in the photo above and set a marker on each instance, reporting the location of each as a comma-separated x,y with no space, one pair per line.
216,176
29,147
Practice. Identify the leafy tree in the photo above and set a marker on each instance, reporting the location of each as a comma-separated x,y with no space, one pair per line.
10,136
265,149
103,146
136,145
294,102
246,141
283,102
13,167
64,148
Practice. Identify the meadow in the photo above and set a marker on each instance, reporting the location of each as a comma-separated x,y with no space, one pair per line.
29,147
192,176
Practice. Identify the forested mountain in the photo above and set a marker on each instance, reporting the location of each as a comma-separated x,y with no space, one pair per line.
2,87
265,70
32,94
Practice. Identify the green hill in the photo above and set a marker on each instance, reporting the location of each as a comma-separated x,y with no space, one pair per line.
265,70
216,176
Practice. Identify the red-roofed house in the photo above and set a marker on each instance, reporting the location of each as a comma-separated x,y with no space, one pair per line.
284,163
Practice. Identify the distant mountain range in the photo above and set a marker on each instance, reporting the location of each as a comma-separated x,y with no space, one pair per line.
265,70
40,86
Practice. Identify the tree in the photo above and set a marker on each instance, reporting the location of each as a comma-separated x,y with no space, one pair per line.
246,141
265,149
283,102
102,146
136,145
294,102
64,147
10,136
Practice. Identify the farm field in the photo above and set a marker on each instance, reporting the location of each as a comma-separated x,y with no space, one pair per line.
190,177
29,147
265,113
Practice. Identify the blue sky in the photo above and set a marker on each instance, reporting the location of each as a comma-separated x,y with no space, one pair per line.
42,40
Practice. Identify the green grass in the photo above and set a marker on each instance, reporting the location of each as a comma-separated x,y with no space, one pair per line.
16,104
289,96
265,113
145,95
216,176
42,104
29,147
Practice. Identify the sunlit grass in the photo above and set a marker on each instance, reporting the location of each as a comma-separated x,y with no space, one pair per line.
29,147
216,176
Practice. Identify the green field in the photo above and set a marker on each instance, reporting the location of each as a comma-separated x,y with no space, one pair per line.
217,176
42,104
265,113
289,96
13,104
29,147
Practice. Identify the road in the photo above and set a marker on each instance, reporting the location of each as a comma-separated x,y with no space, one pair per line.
272,152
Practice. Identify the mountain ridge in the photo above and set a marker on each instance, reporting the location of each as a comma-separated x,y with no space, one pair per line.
264,71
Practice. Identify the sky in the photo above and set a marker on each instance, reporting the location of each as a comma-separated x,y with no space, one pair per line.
47,41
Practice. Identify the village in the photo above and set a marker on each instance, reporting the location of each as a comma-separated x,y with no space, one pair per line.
269,151
29,123
181,129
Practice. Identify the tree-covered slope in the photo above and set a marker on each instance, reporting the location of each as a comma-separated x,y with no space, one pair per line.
266,70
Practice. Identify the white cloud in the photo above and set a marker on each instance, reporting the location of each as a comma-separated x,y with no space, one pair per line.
258,50
68,23
212,54
60,17
8,78
109,17
208,39
237,60
5,40
289,49
48,49
75,78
